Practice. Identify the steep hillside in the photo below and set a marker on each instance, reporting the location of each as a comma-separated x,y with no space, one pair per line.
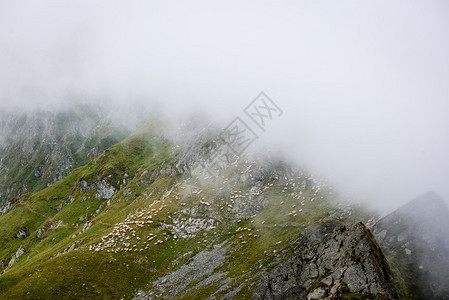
416,241
144,220
38,148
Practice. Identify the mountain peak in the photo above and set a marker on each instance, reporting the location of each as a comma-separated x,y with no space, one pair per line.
429,198
425,208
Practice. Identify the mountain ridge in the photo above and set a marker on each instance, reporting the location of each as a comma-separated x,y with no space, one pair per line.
146,219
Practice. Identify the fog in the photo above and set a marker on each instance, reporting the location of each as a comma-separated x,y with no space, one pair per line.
363,86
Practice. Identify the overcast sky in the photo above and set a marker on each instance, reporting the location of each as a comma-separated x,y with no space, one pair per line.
364,85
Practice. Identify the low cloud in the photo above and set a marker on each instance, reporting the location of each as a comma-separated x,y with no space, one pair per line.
363,86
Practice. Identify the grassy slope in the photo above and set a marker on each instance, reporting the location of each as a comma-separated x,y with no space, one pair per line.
137,161
67,141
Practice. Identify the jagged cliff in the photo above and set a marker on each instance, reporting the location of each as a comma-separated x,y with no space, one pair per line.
345,263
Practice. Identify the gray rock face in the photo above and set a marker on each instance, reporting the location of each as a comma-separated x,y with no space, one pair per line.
40,232
21,234
202,266
347,261
105,191
6,207
20,251
190,227
415,238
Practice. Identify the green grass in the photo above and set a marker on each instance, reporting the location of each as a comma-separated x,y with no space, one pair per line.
79,274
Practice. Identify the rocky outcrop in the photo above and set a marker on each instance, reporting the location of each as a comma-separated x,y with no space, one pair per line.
104,190
190,227
19,252
415,240
21,234
4,208
347,261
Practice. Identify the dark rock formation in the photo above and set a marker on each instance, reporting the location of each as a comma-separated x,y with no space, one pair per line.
346,262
